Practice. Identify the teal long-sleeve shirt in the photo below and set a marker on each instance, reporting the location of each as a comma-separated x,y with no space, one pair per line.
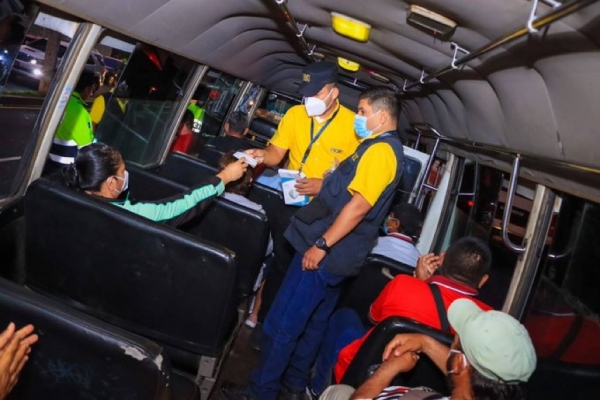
178,208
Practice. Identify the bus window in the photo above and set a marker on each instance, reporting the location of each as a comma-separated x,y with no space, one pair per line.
139,108
564,311
25,75
215,94
480,215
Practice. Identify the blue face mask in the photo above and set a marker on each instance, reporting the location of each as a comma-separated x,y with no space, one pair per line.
360,126
384,227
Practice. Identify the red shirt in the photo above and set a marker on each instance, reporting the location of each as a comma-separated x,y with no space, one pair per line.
409,297
182,143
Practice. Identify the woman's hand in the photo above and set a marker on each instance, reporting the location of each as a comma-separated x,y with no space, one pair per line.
233,171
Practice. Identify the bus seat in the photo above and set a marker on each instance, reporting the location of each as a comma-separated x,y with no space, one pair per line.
148,278
553,379
185,169
262,129
362,290
78,356
240,229
425,372
211,155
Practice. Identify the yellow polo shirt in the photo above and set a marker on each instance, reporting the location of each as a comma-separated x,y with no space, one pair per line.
376,170
337,141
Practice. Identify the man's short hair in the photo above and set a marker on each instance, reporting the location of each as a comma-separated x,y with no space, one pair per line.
410,219
467,261
381,98
242,185
238,121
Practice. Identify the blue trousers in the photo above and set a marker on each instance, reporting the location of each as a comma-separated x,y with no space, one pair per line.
344,327
294,328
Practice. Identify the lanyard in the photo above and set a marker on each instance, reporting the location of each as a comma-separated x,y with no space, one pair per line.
313,138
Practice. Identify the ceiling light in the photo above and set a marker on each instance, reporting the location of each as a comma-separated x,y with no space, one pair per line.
350,27
348,65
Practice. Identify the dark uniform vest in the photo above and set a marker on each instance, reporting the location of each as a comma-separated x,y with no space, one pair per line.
313,220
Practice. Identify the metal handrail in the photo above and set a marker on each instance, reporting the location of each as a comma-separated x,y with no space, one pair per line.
540,22
291,22
512,189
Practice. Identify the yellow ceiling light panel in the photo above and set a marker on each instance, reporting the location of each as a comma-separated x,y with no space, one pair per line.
348,65
350,27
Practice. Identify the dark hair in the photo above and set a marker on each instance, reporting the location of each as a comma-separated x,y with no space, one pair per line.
467,261
238,121
410,219
93,165
188,119
242,185
107,77
382,98
86,80
487,389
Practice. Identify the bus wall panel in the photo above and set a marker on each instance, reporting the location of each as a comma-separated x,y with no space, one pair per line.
529,118
485,119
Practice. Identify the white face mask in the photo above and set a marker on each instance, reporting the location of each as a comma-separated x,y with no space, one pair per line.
315,106
125,182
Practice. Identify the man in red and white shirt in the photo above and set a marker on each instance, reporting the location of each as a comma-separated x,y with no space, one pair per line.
462,271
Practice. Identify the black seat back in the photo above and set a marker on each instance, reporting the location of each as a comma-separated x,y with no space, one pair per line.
185,169
362,290
262,129
146,277
211,155
78,356
425,372
238,228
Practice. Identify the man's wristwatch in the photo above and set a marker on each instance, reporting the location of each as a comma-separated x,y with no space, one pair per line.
322,244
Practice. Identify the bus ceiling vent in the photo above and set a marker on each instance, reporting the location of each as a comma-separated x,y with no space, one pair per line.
430,22
512,189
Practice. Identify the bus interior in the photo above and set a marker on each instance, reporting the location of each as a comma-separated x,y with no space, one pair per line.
498,121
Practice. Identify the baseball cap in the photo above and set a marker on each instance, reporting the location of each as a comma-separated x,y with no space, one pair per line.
410,218
317,75
495,343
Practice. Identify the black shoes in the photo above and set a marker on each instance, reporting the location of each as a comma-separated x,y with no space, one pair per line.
233,391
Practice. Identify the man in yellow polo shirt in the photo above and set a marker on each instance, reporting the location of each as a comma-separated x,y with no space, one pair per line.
318,134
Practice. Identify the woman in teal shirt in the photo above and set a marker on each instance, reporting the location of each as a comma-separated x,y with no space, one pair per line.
99,171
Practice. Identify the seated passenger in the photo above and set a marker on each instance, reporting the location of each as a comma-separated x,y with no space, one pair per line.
402,227
14,353
99,171
236,191
463,270
236,127
184,135
490,357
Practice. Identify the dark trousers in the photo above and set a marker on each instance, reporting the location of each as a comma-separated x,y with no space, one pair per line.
294,328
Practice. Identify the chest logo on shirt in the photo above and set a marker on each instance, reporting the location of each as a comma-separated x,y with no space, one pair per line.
305,78
336,151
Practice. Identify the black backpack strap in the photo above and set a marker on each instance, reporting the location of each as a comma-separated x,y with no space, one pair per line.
441,308
568,339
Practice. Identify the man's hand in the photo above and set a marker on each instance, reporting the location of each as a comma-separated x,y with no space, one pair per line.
14,348
257,154
427,265
312,258
309,186
404,343
404,362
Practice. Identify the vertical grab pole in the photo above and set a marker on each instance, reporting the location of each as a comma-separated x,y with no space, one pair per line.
512,188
